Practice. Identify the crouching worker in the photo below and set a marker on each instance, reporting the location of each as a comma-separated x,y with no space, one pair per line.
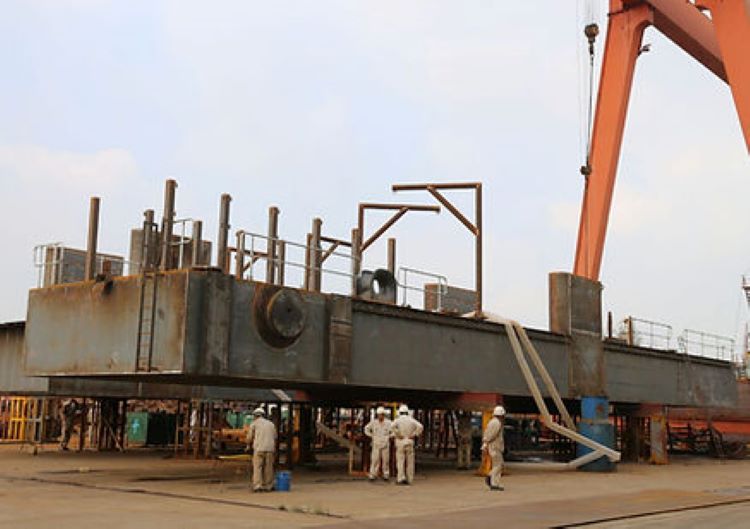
262,438
379,432
493,442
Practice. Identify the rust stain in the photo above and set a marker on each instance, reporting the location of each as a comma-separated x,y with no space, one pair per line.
91,327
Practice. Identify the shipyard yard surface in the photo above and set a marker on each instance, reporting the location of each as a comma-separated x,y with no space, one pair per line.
148,489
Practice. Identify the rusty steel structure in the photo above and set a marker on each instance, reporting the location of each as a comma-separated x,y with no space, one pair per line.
214,329
475,228
91,240
205,325
400,209
180,326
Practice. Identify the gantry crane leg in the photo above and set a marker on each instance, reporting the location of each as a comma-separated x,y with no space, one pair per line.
731,20
721,43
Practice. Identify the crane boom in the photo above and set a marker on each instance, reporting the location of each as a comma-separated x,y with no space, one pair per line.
721,43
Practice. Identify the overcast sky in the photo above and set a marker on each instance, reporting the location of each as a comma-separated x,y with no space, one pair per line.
315,106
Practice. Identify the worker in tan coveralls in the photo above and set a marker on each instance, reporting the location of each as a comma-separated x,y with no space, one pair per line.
262,437
379,431
493,442
404,430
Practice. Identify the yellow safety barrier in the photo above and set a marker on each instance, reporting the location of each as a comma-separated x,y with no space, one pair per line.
22,419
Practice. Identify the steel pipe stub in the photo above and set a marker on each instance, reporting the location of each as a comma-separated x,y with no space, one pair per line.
379,285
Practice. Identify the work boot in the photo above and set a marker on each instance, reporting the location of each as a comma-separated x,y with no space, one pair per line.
496,488
487,481
386,478
371,479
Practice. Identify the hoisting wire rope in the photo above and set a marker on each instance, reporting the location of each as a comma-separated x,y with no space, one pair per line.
590,31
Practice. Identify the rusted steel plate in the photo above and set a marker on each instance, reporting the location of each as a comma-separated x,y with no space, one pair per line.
12,378
92,328
207,330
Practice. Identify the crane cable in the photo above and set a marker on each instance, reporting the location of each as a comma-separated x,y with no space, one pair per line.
591,31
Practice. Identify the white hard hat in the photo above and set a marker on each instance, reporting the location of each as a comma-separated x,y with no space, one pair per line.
380,411
403,409
259,411
499,411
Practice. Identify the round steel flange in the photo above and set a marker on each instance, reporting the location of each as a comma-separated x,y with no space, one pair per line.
279,314
286,314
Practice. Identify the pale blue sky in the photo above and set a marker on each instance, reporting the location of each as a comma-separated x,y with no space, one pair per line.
314,106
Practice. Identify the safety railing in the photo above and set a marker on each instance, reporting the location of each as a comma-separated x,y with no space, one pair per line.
180,240
293,262
403,278
646,333
55,264
48,259
699,343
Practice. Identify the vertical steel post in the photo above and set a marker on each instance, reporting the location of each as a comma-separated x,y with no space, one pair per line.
84,427
167,224
356,258
91,242
148,252
197,241
273,234
478,257
281,265
239,256
392,255
290,437
629,325
222,251
308,261
316,272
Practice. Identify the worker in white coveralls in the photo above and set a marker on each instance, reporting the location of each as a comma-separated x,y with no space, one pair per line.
493,442
379,432
262,437
405,428
464,434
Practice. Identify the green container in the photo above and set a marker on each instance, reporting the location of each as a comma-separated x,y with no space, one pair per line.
237,419
137,427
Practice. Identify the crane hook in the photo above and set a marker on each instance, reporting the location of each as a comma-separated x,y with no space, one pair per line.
591,31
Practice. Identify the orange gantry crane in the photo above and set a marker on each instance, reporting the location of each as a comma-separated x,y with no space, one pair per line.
715,32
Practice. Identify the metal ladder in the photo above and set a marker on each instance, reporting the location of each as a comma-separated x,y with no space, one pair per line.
146,319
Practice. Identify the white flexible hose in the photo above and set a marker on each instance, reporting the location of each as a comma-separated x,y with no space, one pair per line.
519,341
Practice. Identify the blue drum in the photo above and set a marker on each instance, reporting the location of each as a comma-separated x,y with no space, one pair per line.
283,481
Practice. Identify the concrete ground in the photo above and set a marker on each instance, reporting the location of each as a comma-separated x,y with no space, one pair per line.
147,489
